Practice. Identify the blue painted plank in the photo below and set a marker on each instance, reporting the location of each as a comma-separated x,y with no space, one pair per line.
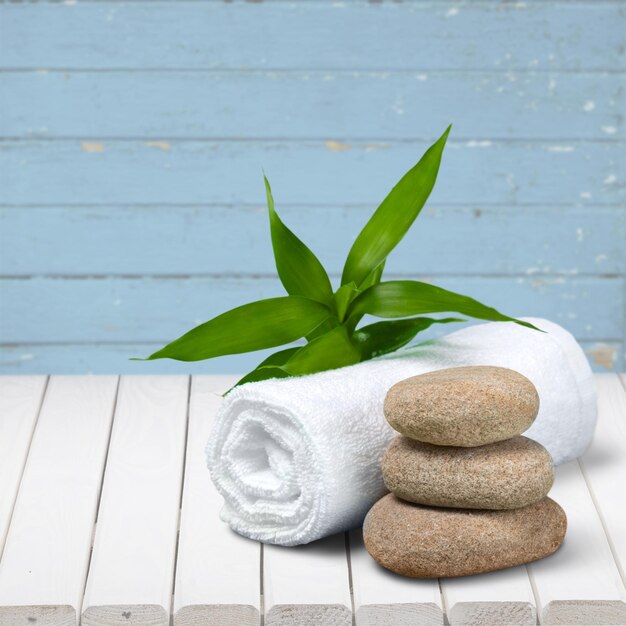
186,240
313,172
310,35
304,105
113,359
160,309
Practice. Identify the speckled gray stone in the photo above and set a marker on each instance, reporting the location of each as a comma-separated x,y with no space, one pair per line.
429,542
462,406
504,475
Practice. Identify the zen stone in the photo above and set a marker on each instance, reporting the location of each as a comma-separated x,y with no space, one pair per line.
428,542
462,406
504,475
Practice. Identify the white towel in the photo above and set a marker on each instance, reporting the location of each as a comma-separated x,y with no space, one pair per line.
297,459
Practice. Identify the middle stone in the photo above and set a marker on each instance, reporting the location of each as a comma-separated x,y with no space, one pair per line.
504,475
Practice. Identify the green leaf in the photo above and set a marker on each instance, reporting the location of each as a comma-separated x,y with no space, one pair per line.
402,298
299,269
373,278
383,337
268,368
254,326
332,350
279,358
260,373
328,351
323,328
394,216
343,297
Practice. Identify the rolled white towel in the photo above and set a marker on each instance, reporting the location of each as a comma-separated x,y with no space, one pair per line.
297,459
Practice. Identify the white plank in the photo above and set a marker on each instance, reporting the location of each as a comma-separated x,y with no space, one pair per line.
20,400
580,583
604,464
307,584
218,574
382,598
504,597
43,569
132,567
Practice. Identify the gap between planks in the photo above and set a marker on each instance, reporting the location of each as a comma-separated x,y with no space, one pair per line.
180,502
95,521
572,607
6,521
44,565
160,410
206,591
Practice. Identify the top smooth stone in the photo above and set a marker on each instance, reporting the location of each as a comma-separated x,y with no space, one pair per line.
463,406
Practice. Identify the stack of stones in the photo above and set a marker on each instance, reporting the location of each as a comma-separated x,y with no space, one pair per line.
468,493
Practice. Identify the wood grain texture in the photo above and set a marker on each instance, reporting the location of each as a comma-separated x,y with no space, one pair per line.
579,585
604,465
188,240
160,309
504,597
20,402
144,614
587,613
307,584
46,554
492,612
78,172
218,573
41,615
132,564
567,597
217,615
382,598
310,35
281,105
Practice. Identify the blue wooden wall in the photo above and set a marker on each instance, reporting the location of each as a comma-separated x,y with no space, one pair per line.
133,136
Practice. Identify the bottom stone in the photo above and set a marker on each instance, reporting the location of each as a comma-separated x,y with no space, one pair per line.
429,542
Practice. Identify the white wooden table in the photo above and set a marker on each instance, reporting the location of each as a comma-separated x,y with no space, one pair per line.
107,513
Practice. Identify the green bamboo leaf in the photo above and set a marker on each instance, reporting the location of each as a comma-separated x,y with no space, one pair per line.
343,296
394,216
254,326
323,328
332,350
279,358
268,368
373,278
299,269
403,298
383,337
258,374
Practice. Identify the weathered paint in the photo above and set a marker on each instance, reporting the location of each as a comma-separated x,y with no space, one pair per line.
604,355
309,34
219,239
300,105
305,172
162,308
133,137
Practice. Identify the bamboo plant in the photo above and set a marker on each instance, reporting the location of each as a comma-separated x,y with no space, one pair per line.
329,319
